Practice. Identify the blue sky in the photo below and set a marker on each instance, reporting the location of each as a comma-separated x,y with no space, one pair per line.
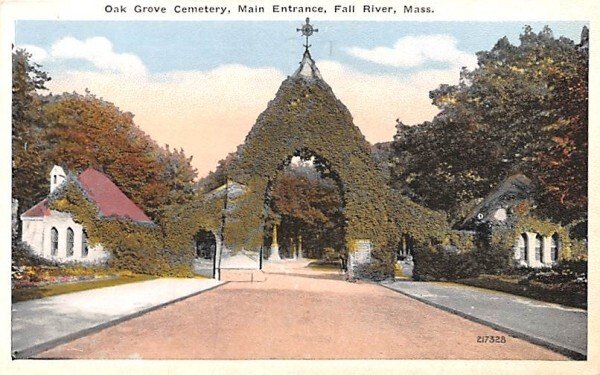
201,85
174,45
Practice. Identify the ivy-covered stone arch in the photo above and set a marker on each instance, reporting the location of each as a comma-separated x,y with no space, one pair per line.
306,115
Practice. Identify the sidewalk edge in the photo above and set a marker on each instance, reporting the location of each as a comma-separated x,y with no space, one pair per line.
29,352
573,354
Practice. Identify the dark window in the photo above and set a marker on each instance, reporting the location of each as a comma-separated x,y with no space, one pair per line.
84,245
554,248
53,241
70,242
538,248
523,246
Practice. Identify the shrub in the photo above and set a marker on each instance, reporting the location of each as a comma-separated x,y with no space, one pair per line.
572,271
438,262
376,271
23,255
492,259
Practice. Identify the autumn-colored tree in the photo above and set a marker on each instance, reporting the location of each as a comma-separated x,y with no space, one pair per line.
523,109
218,177
85,131
82,131
562,161
29,170
309,206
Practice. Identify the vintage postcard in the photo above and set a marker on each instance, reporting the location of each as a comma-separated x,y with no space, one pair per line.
361,187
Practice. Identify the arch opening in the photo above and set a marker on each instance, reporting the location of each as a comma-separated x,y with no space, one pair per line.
304,210
205,249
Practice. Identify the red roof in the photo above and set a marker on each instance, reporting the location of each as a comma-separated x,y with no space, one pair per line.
39,210
109,199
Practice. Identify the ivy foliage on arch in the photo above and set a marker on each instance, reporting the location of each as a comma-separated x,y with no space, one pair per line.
306,118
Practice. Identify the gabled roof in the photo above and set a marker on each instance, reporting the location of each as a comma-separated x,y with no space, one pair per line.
39,210
109,199
510,192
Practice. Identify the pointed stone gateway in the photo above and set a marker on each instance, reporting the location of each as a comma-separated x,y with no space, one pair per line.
306,119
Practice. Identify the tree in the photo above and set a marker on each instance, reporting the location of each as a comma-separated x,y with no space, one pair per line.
82,131
217,178
562,162
85,131
310,206
29,171
523,109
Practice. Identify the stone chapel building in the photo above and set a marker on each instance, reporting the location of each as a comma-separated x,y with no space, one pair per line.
55,236
497,212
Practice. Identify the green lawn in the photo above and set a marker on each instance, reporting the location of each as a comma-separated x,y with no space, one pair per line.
24,294
324,265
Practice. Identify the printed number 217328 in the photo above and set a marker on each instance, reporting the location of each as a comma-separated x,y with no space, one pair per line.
491,339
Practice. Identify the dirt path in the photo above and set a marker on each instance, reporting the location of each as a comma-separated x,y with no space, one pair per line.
303,314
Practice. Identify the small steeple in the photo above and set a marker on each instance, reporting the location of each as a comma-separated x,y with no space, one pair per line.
308,69
57,177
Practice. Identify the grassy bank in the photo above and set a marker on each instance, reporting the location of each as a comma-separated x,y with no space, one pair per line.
568,294
34,292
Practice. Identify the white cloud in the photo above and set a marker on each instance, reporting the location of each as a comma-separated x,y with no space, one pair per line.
98,51
38,54
415,51
376,100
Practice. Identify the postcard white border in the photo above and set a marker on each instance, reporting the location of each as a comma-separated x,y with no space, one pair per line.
455,10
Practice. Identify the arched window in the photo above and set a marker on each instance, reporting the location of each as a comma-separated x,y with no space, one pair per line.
522,245
554,247
538,248
70,242
53,241
84,245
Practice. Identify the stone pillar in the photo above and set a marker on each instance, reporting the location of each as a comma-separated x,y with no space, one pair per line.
300,256
274,246
531,262
546,256
217,263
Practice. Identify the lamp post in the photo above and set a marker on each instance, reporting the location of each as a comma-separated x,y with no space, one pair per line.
219,248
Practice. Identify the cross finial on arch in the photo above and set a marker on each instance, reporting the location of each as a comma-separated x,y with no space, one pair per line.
307,30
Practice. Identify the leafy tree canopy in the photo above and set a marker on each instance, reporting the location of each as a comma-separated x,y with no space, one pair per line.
309,206
523,109
82,131
28,167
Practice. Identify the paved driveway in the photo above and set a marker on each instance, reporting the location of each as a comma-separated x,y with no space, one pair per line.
298,313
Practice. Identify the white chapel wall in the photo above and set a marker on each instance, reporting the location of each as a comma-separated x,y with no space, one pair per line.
62,221
33,234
